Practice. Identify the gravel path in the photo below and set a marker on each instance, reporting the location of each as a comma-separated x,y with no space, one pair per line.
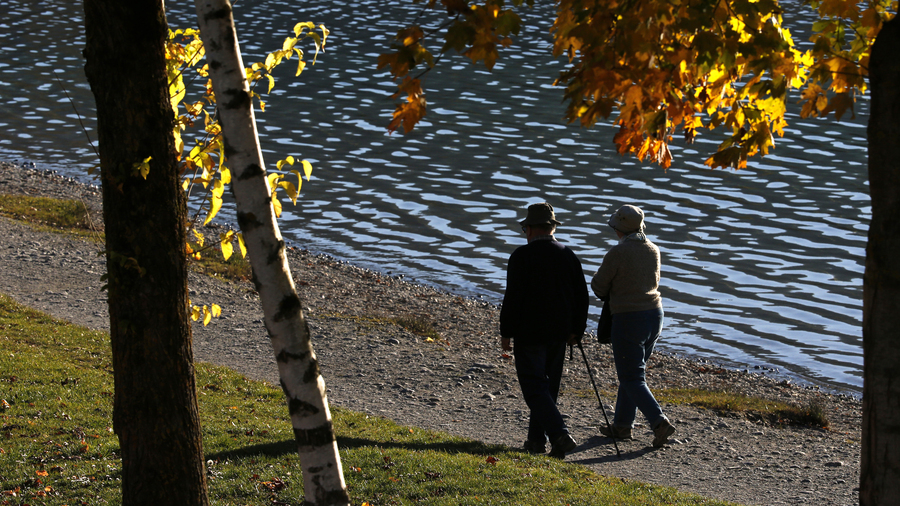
462,383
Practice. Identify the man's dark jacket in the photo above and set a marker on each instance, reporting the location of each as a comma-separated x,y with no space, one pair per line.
546,296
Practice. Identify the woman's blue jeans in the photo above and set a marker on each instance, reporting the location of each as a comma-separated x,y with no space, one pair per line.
539,368
633,337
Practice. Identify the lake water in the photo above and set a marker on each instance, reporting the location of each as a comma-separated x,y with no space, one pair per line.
761,267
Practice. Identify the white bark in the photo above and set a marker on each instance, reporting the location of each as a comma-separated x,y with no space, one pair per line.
304,387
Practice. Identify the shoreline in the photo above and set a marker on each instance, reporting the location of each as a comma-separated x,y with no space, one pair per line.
461,383
90,194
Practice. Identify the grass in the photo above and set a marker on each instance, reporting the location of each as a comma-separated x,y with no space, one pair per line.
753,408
58,448
418,325
725,403
69,216
212,263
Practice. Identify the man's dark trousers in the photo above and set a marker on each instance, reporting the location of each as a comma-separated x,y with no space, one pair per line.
539,369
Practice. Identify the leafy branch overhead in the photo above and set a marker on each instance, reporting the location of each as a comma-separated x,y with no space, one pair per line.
475,31
666,68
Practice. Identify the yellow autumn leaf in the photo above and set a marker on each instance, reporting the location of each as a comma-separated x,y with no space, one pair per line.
276,205
299,27
307,169
273,180
225,244
242,246
290,189
195,152
299,181
218,188
225,175
177,91
287,161
143,167
215,204
194,109
195,313
271,83
207,316
216,310
179,142
319,44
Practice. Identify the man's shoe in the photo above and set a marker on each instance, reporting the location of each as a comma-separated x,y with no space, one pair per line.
662,432
535,447
616,432
562,445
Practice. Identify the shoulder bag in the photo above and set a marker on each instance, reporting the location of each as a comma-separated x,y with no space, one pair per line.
604,326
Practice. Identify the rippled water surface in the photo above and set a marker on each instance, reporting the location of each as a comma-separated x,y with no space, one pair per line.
761,267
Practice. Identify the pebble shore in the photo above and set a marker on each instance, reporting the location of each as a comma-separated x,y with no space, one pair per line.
461,383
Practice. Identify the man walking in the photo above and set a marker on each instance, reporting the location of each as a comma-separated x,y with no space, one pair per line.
544,308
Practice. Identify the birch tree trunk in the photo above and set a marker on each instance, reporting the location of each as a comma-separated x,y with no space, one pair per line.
880,460
323,478
155,412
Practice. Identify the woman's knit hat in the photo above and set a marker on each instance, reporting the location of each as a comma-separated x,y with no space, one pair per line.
628,219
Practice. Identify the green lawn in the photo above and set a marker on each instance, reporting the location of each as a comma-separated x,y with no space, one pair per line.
57,446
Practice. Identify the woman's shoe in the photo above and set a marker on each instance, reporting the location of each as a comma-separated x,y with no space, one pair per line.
662,432
616,432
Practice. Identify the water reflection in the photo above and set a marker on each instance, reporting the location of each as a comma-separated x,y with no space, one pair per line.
761,266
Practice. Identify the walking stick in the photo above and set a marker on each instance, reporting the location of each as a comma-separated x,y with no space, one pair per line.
591,374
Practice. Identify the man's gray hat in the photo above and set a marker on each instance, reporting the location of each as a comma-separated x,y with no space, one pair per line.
628,219
540,214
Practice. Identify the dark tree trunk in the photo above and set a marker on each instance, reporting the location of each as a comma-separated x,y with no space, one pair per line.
880,463
155,413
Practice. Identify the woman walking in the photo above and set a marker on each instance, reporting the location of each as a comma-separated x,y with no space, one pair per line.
629,278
